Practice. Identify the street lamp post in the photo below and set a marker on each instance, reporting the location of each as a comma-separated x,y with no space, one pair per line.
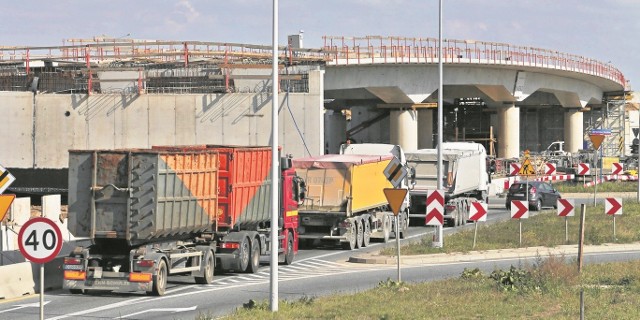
275,176
439,243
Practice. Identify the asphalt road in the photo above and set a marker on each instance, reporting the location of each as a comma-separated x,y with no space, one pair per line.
315,272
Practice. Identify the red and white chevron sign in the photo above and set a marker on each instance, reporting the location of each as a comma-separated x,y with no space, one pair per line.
613,206
519,209
559,177
550,168
616,168
435,208
515,168
583,169
478,211
566,208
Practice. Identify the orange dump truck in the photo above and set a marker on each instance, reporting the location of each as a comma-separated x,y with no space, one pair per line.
345,201
151,213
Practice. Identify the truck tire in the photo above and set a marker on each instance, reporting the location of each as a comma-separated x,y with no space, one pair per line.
359,233
404,224
160,279
386,227
351,238
366,240
209,266
244,255
76,291
289,255
254,257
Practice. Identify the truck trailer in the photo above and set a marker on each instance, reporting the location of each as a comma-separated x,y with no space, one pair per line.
380,149
151,213
345,201
465,179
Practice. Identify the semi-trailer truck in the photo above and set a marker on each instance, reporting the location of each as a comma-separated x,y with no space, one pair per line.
465,179
345,201
151,213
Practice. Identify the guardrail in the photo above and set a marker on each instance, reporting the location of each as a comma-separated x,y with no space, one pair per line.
394,50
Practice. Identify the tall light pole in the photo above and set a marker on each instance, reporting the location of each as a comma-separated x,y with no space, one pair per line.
275,163
438,243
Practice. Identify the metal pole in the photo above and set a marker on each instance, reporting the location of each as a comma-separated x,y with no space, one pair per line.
583,209
275,167
42,291
475,235
520,226
595,177
566,229
581,303
398,245
440,175
614,228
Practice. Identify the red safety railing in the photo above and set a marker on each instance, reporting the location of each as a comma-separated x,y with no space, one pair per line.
378,49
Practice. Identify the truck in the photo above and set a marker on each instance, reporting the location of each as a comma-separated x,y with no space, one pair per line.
381,149
345,201
465,179
152,213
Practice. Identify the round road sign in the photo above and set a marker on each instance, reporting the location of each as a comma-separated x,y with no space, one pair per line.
40,240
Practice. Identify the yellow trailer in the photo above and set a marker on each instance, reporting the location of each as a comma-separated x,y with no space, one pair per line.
345,201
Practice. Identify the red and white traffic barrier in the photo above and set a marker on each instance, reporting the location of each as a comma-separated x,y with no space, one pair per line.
559,177
612,177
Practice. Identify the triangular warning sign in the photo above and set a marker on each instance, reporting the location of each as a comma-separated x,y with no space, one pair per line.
527,168
5,203
395,197
596,139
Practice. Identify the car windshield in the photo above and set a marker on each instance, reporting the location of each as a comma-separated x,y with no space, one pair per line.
518,187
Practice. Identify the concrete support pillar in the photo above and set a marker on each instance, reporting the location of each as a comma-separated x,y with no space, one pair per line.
509,131
573,130
404,129
425,128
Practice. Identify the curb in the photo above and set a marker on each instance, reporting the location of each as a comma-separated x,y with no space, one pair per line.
492,254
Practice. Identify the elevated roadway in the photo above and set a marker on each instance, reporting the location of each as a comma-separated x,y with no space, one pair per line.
401,74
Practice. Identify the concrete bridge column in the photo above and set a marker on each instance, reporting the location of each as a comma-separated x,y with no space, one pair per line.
404,129
573,130
425,128
509,131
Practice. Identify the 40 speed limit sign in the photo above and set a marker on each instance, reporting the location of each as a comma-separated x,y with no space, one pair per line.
40,240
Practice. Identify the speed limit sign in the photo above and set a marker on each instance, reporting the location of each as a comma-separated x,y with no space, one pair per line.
40,240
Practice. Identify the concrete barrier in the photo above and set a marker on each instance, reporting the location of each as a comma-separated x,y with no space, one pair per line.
17,280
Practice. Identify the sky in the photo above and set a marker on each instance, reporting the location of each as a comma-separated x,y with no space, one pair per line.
605,30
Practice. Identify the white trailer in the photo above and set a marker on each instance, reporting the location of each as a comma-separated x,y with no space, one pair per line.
465,179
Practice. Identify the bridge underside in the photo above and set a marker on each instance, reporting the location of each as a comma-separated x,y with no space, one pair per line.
517,109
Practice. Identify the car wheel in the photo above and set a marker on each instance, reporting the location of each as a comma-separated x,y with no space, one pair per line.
538,206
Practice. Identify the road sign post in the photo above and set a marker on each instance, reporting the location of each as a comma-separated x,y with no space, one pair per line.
597,136
520,210
40,241
477,213
613,207
395,198
565,209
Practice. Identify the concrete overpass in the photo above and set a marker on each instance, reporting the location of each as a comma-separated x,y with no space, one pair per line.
401,74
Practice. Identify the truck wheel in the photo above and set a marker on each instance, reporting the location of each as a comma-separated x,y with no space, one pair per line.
244,255
254,264
386,228
351,238
366,240
160,279
404,224
209,266
76,291
359,233
288,257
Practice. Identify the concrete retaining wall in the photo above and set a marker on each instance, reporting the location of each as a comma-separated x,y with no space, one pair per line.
45,126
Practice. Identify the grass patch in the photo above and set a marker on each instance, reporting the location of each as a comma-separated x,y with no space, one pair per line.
547,289
609,186
544,229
